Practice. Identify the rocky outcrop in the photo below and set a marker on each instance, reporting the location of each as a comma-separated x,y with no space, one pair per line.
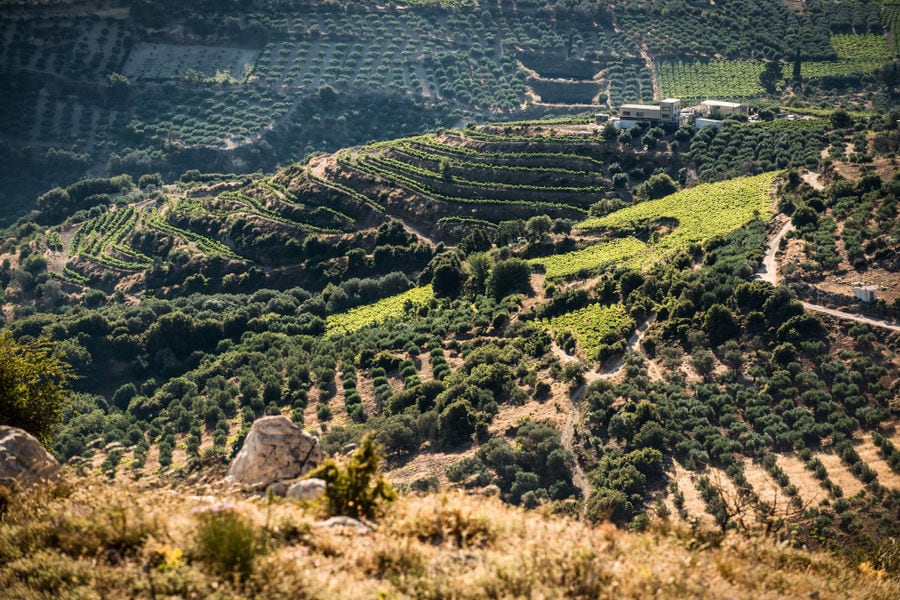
307,489
23,460
275,452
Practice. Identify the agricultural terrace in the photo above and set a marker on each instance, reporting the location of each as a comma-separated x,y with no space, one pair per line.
119,237
593,326
591,258
699,214
856,53
168,61
454,56
496,173
371,314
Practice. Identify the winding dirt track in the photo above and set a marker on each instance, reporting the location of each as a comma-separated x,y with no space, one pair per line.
769,269
769,272
573,416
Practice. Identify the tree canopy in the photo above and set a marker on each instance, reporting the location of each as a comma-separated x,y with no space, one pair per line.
33,386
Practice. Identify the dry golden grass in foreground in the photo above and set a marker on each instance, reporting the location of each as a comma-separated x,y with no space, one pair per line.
94,539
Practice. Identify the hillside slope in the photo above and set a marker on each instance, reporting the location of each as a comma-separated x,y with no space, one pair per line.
115,540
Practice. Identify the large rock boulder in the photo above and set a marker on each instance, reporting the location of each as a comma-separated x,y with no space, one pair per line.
307,489
24,462
275,450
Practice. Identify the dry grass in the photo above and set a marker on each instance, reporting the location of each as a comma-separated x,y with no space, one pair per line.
870,455
840,474
75,542
811,492
693,503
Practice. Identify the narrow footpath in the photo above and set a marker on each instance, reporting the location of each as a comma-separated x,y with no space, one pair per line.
573,415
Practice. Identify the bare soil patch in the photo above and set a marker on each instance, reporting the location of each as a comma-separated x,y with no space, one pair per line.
882,166
693,503
428,465
811,492
840,474
766,489
869,453
510,415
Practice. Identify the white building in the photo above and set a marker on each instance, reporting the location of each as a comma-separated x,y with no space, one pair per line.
865,293
720,108
667,112
670,110
639,112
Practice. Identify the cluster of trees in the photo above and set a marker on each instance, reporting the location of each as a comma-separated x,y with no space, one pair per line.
59,203
867,211
736,150
768,383
535,469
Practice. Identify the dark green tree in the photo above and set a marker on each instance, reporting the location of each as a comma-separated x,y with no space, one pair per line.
510,276
771,76
33,386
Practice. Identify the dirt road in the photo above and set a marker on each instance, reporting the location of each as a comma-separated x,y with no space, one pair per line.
769,272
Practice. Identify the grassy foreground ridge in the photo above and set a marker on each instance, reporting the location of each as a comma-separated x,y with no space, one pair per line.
125,540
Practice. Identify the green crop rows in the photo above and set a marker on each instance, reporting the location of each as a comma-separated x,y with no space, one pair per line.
715,78
890,15
701,213
592,257
857,53
593,325
456,56
204,244
225,118
431,184
371,314
101,240
343,188
72,47
861,48
430,145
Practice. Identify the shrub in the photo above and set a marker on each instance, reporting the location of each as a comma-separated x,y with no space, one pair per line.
355,488
33,386
226,541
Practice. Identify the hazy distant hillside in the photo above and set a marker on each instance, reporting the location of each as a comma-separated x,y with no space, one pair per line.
150,86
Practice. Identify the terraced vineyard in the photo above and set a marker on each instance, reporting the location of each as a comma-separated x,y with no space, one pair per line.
593,326
207,224
102,240
459,170
372,314
692,216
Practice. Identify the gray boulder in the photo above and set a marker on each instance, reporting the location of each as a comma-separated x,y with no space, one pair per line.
307,489
345,522
275,450
24,462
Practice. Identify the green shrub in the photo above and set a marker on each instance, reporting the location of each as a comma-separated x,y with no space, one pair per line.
226,541
355,488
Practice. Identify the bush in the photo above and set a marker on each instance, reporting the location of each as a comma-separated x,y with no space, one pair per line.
226,541
356,489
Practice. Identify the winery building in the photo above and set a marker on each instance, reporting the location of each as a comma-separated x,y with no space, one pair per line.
667,112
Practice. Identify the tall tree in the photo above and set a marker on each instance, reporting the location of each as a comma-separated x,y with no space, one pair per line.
33,386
